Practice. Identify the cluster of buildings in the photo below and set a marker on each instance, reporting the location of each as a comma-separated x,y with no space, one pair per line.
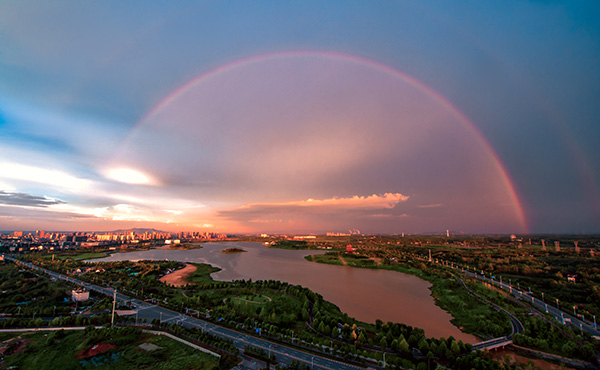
19,241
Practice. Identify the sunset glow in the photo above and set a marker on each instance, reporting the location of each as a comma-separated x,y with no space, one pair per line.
128,176
419,118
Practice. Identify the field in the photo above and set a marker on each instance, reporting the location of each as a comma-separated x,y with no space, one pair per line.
122,348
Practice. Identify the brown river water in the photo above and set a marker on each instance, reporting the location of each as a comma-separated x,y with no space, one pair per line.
365,294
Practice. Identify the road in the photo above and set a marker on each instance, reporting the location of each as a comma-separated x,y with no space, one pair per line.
150,312
551,309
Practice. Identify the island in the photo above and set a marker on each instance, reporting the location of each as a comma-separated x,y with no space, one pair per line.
232,250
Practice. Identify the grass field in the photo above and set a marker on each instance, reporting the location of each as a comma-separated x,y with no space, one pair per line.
202,274
79,256
253,299
102,349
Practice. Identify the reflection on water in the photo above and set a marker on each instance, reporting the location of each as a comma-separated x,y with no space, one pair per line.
364,294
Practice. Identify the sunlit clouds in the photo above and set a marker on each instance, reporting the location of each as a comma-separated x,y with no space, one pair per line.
39,175
304,142
186,114
297,141
128,176
387,200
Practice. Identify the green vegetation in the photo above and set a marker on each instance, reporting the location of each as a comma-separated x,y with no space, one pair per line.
290,244
102,349
202,274
468,312
25,294
529,266
76,255
295,315
232,251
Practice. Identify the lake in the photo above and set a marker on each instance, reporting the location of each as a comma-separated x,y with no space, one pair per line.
365,294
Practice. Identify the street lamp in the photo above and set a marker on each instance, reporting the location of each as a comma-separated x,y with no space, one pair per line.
542,296
594,320
557,303
546,304
574,314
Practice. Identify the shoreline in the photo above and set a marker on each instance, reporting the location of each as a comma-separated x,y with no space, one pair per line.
179,277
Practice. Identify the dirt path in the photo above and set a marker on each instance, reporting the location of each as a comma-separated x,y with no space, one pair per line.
247,301
343,261
178,278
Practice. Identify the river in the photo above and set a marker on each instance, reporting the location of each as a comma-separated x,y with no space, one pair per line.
365,294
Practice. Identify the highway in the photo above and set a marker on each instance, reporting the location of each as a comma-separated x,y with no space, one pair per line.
150,312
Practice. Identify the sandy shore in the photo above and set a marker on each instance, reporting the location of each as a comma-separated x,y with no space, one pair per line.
178,278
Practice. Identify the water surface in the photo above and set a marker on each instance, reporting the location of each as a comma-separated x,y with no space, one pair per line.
365,294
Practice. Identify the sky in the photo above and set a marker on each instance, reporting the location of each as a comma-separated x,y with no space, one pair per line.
300,116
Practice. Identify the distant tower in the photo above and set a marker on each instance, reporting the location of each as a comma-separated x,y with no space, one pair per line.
447,233
557,246
430,255
529,241
520,245
543,244
577,247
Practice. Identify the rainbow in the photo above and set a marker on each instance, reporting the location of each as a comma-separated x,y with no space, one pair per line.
508,182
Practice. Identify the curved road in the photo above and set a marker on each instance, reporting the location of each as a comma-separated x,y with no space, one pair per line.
542,306
150,312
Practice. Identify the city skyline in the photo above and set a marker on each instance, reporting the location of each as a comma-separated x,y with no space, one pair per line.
300,117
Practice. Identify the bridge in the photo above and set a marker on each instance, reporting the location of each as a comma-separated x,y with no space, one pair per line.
493,343
516,325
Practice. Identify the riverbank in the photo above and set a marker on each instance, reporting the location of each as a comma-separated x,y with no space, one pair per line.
179,277
468,314
365,294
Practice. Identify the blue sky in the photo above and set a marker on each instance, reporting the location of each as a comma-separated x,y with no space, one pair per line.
78,78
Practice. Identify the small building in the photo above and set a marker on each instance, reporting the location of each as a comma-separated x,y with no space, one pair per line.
572,278
80,295
349,248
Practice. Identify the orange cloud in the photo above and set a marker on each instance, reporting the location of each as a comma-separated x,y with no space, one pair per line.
314,215
387,200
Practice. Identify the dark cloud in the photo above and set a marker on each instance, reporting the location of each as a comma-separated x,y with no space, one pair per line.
27,200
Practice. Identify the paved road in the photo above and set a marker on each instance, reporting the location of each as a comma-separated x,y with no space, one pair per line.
542,306
150,312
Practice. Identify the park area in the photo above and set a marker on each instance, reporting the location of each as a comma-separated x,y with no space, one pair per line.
123,348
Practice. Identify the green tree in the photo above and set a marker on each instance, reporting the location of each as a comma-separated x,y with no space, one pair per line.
455,348
442,349
423,346
334,332
383,343
361,338
403,346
